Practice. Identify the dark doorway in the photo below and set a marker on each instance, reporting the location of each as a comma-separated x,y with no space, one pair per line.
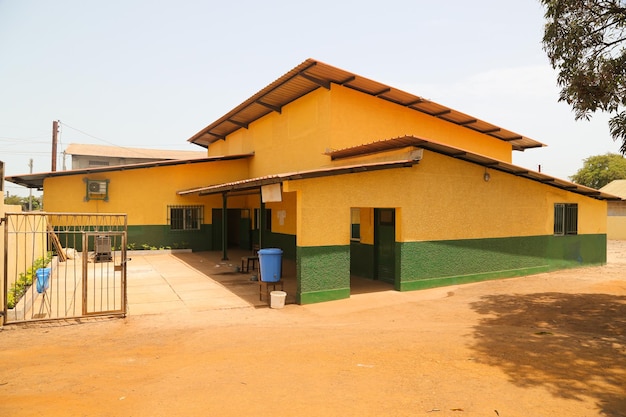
233,229
385,245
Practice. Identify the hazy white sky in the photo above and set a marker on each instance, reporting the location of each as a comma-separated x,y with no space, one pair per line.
151,73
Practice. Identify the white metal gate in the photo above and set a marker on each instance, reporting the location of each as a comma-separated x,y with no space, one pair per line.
63,265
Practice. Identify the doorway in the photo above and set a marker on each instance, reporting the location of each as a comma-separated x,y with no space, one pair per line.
238,230
385,245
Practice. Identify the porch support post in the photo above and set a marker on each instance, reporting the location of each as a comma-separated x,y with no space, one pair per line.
262,223
224,226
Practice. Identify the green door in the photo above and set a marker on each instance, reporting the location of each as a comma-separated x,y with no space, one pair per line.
385,245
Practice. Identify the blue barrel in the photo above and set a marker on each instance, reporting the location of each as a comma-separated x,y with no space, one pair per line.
271,261
43,279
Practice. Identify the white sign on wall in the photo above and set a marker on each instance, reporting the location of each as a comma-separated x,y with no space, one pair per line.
271,193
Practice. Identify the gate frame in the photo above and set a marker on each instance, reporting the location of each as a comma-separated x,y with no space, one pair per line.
114,224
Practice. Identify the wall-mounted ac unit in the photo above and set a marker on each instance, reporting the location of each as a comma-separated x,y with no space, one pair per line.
97,190
97,187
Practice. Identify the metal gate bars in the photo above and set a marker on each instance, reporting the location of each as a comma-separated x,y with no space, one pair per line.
63,265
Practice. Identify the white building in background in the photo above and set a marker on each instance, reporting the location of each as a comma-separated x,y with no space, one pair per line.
90,156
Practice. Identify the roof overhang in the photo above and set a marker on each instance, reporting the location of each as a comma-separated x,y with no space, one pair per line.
405,141
311,75
255,183
36,180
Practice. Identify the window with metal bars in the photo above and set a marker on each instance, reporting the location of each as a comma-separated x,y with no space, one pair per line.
185,217
565,219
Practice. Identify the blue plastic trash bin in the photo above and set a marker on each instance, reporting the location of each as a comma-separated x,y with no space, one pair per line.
270,260
43,279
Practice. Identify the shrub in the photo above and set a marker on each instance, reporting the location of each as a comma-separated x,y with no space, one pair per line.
25,280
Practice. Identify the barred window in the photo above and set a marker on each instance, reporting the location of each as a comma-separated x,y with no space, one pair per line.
185,217
565,219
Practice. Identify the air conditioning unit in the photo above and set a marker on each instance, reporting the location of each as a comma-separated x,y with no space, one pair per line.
97,190
97,187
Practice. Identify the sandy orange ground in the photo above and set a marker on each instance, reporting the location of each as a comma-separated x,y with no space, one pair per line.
545,345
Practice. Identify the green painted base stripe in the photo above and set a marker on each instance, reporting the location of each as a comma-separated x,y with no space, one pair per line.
322,296
466,279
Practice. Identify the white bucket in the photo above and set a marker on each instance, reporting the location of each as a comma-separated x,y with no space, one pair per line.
277,299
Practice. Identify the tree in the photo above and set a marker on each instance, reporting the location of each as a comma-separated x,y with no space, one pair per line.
585,41
599,170
23,201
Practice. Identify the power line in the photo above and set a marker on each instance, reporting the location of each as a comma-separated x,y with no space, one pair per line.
90,135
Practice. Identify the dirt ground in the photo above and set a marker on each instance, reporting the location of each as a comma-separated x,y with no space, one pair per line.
550,344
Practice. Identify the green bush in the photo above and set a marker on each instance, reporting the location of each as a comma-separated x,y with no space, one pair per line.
25,280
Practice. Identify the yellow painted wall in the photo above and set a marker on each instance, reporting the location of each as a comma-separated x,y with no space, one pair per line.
26,243
297,138
360,118
616,227
284,214
367,225
144,194
446,199
293,140
616,222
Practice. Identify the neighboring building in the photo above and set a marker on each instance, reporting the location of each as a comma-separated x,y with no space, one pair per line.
616,220
349,176
92,156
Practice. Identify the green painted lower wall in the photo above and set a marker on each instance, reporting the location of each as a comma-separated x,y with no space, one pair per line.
439,263
422,265
161,235
279,240
200,240
323,273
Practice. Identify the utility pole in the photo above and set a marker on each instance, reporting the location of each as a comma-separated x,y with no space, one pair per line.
30,190
55,131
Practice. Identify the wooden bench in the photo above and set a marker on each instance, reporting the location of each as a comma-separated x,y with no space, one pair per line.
246,261
253,260
267,286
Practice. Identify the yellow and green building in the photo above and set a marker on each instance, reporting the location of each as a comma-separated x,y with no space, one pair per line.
351,177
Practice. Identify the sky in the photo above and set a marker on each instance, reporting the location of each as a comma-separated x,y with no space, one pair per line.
152,73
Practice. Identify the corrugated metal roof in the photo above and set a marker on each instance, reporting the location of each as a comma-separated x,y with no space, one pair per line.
617,187
36,180
406,141
255,183
394,144
311,75
123,152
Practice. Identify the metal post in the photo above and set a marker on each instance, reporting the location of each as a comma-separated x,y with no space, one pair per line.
262,223
224,226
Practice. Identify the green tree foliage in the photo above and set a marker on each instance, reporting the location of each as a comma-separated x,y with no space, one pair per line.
599,170
585,42
23,201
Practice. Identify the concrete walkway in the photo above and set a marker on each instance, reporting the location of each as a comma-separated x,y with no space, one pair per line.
184,281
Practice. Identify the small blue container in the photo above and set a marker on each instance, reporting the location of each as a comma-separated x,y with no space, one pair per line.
270,261
43,279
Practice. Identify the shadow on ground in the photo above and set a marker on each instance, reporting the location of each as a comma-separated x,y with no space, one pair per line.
572,344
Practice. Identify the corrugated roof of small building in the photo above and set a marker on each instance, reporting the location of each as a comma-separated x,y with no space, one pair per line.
616,187
124,152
